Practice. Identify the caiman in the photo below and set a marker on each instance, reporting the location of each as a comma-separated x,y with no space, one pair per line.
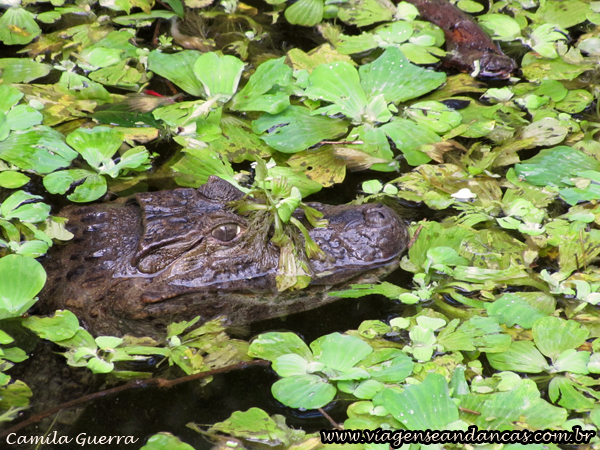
142,262
469,48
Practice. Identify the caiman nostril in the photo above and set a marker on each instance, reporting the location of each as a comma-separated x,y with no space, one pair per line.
375,216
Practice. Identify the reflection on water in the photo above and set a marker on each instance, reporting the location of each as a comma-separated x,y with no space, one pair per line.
143,412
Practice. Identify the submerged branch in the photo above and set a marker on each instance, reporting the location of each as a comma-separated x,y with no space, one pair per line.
152,382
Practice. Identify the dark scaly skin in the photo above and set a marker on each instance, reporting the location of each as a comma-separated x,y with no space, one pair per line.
139,263
466,42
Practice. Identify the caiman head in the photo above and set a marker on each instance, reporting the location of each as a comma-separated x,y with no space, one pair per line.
187,252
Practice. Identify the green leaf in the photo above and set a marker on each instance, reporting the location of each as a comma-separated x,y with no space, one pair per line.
502,26
18,27
572,361
295,129
17,297
92,188
556,13
11,179
295,178
22,70
62,325
396,78
98,365
555,165
513,310
18,206
82,87
500,410
9,96
445,256
219,75
340,352
108,342
338,83
469,6
303,391
264,92
522,356
198,165
134,158
434,115
178,68
290,364
478,333
393,370
41,150
305,12
424,406
553,335
22,117
166,441
255,425
365,12
237,142
34,249
273,345
565,391
409,137
97,145
434,235
375,147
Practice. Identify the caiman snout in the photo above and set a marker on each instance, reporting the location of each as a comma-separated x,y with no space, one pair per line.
372,235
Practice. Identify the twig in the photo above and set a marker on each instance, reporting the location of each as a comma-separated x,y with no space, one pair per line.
469,411
152,382
416,235
331,421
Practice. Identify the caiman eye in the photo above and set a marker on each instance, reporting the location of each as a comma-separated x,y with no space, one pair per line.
226,232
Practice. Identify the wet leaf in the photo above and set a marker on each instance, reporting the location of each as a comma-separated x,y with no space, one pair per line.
502,27
522,356
500,410
321,55
11,179
304,391
322,165
365,12
62,325
547,131
397,79
18,27
513,310
423,406
555,166
479,333
339,84
273,345
166,441
264,90
25,207
41,150
305,12
340,352
553,335
178,68
17,297
219,75
255,425
295,129
409,137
